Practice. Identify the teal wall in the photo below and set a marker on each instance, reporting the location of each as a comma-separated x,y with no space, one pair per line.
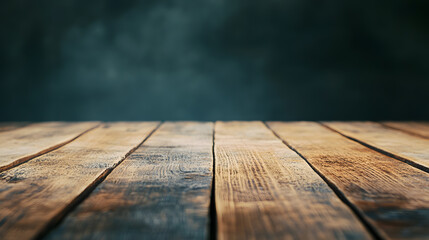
214,59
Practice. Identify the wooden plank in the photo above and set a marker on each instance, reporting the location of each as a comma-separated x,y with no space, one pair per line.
390,194
405,147
35,195
7,126
264,190
25,143
161,191
420,129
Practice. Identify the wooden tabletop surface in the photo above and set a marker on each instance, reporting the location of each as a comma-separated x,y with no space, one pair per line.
214,180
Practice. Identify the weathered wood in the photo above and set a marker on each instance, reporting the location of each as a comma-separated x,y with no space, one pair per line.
408,148
22,144
420,129
161,191
264,190
7,126
36,194
390,194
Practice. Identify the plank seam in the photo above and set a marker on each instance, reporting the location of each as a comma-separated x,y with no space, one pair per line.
402,130
56,220
384,152
212,207
44,151
368,226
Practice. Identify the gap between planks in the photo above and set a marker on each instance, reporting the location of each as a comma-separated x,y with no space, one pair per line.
212,210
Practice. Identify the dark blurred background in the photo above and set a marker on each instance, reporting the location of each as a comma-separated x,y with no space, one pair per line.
214,59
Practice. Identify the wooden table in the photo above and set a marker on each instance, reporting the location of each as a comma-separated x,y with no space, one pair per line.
224,180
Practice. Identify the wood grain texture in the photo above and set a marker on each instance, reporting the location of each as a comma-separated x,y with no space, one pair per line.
33,194
390,194
161,191
403,146
22,144
420,129
7,126
264,190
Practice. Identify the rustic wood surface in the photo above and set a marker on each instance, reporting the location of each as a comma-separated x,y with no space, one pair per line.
393,196
222,180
